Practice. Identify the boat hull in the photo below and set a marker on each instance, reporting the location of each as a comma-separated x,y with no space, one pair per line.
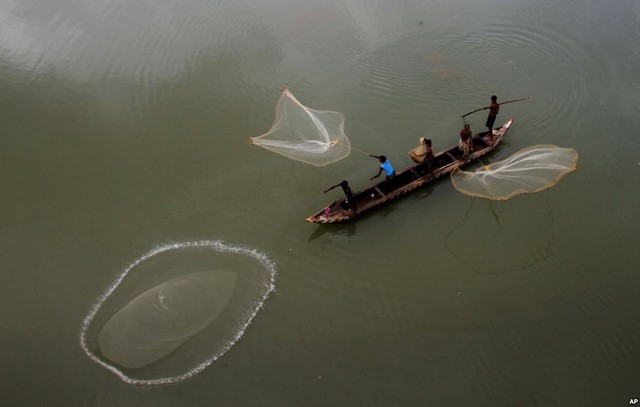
409,179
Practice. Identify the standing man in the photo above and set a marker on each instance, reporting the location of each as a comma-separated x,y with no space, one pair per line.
384,166
494,107
466,140
348,194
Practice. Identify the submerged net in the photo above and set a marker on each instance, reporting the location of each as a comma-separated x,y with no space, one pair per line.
530,170
163,318
176,310
303,134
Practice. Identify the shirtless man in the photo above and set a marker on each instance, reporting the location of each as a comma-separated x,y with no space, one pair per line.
494,108
348,194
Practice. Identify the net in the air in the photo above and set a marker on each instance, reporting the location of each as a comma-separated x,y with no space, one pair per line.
312,136
530,170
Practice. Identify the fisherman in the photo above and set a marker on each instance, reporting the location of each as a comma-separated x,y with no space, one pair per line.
422,153
494,108
466,140
384,165
348,194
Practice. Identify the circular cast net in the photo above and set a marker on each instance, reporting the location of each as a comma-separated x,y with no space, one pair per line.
176,310
303,134
530,170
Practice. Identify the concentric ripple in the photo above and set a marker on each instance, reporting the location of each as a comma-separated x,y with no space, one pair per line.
522,228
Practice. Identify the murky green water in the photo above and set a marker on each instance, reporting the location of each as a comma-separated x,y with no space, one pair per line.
124,127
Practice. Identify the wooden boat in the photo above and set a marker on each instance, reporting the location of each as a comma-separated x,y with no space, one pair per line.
409,179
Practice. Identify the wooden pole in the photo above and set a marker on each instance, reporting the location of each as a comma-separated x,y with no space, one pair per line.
503,103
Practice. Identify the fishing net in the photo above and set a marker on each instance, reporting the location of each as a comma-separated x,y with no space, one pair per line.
312,136
176,310
530,170
163,318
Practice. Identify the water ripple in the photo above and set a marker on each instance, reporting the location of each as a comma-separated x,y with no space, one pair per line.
193,361
142,40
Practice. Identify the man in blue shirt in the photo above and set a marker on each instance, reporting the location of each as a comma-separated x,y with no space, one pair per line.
384,166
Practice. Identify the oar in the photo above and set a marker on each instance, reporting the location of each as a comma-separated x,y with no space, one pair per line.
503,103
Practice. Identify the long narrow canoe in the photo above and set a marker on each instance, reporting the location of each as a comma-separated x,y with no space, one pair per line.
410,178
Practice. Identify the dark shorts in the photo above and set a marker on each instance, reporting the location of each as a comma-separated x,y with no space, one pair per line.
350,202
490,121
392,176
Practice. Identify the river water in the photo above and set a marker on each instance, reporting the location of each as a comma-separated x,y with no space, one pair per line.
124,128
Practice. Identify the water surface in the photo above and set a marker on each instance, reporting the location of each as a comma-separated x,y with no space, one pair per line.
125,127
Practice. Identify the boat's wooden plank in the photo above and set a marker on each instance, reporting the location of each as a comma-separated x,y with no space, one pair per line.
407,180
452,156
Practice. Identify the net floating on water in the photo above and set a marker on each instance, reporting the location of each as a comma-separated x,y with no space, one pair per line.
528,171
303,134
176,310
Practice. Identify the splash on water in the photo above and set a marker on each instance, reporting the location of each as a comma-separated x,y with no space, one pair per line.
176,310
